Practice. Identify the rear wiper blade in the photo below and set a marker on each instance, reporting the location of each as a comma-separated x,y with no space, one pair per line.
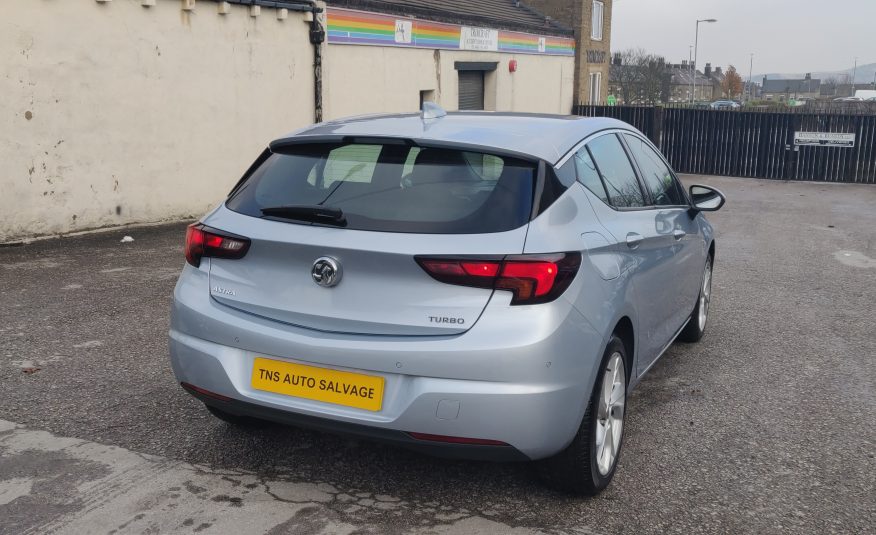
308,212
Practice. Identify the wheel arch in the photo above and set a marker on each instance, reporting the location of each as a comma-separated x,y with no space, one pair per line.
626,332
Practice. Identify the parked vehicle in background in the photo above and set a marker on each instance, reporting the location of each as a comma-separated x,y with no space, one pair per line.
477,285
725,105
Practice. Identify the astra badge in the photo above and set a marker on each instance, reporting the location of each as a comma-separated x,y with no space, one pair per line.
326,272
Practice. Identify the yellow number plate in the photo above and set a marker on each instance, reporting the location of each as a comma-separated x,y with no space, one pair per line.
320,384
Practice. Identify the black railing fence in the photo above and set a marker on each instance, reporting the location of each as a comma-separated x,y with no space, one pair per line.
778,144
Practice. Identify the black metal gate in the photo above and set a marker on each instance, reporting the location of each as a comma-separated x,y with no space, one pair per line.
757,144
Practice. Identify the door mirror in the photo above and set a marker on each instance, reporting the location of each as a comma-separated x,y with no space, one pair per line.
706,199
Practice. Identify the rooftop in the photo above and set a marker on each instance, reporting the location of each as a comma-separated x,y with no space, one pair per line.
547,137
804,85
499,14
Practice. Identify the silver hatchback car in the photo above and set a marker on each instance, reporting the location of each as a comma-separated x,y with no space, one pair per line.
476,285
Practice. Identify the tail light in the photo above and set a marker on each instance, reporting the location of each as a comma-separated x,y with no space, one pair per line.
532,279
203,241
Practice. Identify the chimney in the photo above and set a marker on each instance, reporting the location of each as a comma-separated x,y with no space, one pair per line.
718,71
684,63
808,76
708,71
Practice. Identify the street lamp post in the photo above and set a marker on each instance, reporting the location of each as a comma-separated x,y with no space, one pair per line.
750,71
690,69
855,76
696,50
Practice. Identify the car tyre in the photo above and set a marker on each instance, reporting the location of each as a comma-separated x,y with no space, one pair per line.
696,326
234,419
587,465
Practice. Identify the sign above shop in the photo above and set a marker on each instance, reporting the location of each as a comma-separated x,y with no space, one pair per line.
352,27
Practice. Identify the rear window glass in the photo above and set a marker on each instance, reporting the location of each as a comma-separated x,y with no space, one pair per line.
395,188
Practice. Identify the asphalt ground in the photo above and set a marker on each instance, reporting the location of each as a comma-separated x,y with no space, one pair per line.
768,425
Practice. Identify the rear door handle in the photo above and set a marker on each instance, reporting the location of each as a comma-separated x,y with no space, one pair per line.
633,240
679,234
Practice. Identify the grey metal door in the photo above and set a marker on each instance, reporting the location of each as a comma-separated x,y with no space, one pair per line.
471,90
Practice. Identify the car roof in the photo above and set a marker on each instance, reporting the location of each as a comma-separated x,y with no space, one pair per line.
546,137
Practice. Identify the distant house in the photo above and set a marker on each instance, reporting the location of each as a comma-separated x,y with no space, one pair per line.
835,90
780,90
681,84
664,83
716,80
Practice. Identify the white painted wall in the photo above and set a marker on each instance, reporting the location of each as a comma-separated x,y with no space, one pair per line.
154,112
370,79
115,113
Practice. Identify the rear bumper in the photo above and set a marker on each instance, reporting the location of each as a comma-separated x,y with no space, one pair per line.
521,379
377,434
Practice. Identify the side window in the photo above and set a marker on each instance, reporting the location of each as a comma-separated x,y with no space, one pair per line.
617,172
658,178
588,175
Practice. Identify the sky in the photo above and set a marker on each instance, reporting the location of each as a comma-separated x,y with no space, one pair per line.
786,36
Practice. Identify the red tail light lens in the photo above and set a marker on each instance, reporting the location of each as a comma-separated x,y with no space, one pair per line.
532,278
203,241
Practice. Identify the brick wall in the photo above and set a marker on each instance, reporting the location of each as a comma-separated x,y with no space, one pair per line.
592,55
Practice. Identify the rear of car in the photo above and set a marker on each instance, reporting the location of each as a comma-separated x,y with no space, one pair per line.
379,286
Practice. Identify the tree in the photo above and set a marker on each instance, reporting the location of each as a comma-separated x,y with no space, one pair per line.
732,84
625,74
829,86
639,75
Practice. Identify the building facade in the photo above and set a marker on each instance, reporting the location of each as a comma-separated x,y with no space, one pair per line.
487,55
591,22
783,90
149,110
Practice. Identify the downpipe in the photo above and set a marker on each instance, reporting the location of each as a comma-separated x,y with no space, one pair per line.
317,38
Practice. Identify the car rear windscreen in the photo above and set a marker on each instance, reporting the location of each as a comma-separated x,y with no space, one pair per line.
393,187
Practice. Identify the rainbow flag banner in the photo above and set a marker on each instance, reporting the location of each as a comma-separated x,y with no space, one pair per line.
351,27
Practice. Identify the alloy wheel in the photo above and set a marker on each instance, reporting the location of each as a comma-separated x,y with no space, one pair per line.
705,297
610,413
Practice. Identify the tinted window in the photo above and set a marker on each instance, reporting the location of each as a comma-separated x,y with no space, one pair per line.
395,188
617,172
658,178
588,175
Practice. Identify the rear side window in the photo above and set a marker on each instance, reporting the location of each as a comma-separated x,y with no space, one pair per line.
395,187
659,180
617,172
588,175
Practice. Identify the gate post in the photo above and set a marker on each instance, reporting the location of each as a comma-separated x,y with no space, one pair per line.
656,133
795,122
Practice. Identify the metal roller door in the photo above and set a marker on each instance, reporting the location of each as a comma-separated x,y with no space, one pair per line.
471,90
